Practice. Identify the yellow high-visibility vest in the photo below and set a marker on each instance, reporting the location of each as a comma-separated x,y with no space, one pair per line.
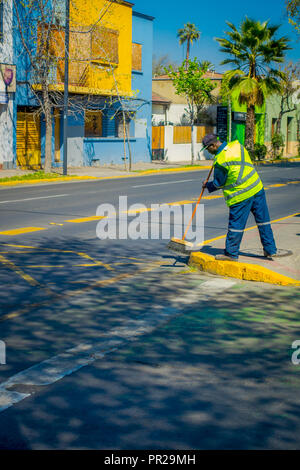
243,180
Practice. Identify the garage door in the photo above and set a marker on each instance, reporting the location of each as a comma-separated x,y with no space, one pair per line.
28,140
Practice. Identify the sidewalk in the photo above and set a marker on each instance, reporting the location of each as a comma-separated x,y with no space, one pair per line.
118,171
252,265
112,170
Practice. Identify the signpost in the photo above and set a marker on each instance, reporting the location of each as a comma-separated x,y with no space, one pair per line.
66,89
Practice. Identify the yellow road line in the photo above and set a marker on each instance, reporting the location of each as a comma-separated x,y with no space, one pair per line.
129,212
212,197
9,264
54,250
84,219
103,282
250,228
33,282
19,231
17,246
54,266
98,263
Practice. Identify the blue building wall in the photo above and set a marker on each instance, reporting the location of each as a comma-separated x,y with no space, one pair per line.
142,33
109,149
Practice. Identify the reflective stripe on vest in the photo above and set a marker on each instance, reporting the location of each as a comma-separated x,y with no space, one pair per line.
245,190
231,196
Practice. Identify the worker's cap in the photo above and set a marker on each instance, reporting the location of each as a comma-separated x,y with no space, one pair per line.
209,139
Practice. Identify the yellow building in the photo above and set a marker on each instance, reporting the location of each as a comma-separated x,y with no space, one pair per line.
101,49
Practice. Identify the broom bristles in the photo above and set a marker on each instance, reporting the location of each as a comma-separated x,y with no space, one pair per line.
179,245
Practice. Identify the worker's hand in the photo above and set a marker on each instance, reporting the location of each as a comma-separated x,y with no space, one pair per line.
204,183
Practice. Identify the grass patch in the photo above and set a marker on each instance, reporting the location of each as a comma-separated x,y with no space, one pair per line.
39,175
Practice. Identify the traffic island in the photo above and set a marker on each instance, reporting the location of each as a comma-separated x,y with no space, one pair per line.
252,265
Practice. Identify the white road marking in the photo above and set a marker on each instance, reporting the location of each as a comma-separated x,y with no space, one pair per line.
73,359
166,182
34,198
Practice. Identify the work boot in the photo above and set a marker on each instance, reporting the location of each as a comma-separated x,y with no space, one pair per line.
269,256
225,258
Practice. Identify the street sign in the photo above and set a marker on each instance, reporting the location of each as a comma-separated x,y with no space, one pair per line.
7,78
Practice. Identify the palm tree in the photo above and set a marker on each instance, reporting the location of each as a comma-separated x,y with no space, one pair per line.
252,50
188,34
209,65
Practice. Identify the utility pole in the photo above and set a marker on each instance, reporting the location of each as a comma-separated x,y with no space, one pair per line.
229,120
66,88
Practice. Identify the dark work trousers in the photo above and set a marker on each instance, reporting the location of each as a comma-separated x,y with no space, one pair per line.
238,216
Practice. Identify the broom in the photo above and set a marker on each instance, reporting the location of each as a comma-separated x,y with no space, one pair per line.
180,245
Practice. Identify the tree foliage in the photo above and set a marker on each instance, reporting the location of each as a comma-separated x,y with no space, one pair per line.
290,89
188,34
293,11
192,84
252,50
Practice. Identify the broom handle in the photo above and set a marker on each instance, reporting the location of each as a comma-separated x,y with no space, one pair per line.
200,197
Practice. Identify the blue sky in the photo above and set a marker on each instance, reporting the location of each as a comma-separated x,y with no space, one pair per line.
210,18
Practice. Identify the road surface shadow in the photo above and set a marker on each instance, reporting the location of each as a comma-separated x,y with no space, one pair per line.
218,376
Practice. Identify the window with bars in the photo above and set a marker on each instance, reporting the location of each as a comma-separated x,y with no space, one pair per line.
93,126
87,46
104,45
137,57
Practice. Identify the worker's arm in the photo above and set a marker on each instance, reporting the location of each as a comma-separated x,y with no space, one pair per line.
220,177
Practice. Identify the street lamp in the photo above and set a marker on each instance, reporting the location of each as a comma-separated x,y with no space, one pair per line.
66,88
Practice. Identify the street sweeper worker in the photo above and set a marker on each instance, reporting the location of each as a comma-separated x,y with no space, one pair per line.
243,191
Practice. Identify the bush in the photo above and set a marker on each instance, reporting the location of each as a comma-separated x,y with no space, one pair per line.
277,145
260,151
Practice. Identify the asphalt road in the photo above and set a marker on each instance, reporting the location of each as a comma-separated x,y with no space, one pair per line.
56,203
62,287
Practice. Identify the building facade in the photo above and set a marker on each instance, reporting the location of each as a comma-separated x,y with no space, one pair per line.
174,106
110,72
290,124
231,123
7,86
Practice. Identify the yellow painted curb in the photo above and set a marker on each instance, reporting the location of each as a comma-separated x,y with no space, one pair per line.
167,170
71,178
245,271
267,162
47,180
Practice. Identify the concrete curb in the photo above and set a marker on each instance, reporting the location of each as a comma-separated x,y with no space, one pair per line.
245,271
274,162
82,178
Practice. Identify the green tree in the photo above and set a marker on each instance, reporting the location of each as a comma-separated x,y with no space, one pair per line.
196,89
293,11
210,66
290,86
188,34
253,49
